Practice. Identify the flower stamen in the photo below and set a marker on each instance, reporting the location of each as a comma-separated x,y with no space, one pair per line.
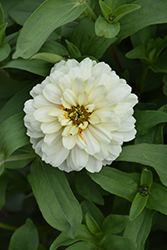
78,114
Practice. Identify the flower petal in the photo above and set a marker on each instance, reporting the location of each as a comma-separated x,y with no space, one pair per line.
92,145
52,127
41,114
79,157
52,93
69,141
100,133
93,165
70,97
83,98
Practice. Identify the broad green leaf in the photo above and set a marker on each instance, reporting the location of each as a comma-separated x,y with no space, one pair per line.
116,182
54,47
124,10
160,66
151,12
22,11
12,135
93,210
108,30
158,198
106,10
165,85
83,234
83,246
138,205
3,187
139,229
1,15
154,136
138,52
143,36
15,104
4,51
41,247
38,67
9,86
114,4
2,32
87,42
56,201
36,30
20,158
147,154
147,119
49,57
117,243
25,237
73,50
88,188
114,224
92,224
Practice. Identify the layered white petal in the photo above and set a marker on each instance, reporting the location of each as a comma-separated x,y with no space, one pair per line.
80,115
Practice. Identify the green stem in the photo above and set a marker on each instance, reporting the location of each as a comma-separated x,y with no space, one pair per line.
91,13
7,227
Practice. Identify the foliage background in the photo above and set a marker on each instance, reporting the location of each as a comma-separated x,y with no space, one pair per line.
125,205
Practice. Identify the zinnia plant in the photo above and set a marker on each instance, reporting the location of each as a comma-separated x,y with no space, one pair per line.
83,113
80,115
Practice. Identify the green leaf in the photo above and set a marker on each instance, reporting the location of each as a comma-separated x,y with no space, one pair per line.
12,135
124,10
83,234
15,104
160,66
158,198
148,154
88,188
25,237
138,52
114,224
20,158
4,51
38,67
114,3
139,229
2,32
2,166
36,30
138,205
117,243
147,119
49,57
107,11
54,48
23,10
154,136
151,12
92,224
87,42
108,30
73,50
146,178
3,187
83,246
8,86
93,210
55,198
116,182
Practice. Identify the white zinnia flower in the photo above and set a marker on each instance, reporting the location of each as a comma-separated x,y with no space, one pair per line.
80,115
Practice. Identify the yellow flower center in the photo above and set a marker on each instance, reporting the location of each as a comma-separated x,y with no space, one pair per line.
78,114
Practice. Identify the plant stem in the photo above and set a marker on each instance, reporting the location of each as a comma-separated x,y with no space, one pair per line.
115,58
7,227
91,13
